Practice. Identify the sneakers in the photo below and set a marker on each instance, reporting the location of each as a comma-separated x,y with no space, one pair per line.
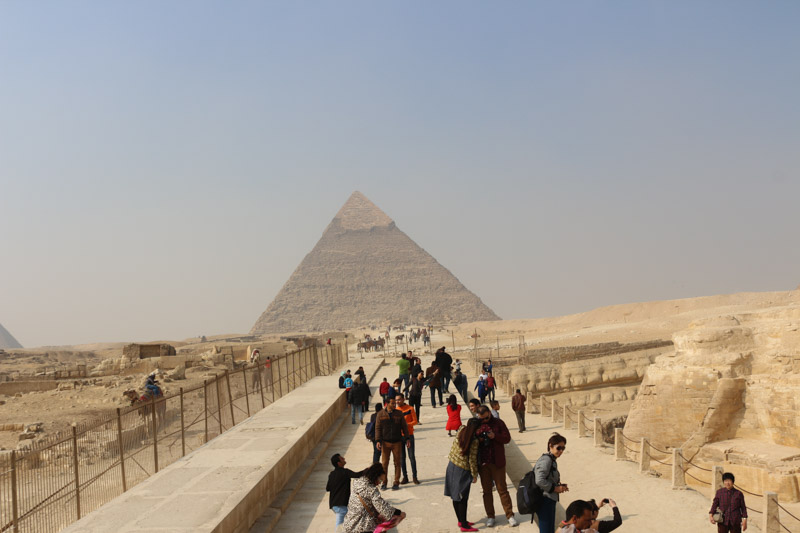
466,526
404,481
490,522
512,522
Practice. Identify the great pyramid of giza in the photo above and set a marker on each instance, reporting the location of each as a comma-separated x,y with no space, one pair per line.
363,271
7,340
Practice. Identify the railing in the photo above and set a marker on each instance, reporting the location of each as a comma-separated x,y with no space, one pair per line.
60,479
679,464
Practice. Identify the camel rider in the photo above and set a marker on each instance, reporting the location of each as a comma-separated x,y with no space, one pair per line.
151,386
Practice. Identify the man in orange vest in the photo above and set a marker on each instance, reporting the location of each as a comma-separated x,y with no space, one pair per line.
409,449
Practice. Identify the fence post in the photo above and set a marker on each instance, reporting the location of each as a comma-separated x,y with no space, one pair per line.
553,412
567,419
261,385
678,476
581,424
716,478
771,518
644,456
205,409
230,396
75,466
155,433
14,503
619,445
121,449
316,361
598,432
183,428
219,403
542,403
246,398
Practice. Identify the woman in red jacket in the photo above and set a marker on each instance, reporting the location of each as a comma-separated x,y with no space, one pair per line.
453,415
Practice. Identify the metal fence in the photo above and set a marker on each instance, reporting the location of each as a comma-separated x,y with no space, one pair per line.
60,479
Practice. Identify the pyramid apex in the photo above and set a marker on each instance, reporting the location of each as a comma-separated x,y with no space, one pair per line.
359,213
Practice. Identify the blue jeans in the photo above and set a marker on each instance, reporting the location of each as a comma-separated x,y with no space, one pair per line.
340,511
411,452
491,393
446,381
376,453
356,408
547,515
406,378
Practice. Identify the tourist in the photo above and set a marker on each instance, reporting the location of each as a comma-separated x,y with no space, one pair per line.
360,372
404,367
416,366
415,393
358,397
578,518
489,367
383,389
255,363
462,471
458,365
480,386
493,435
341,380
409,450
518,406
731,502
339,487
495,408
549,480
348,381
366,510
268,373
434,383
453,415
491,384
443,361
394,390
391,431
370,433
460,383
604,526
473,407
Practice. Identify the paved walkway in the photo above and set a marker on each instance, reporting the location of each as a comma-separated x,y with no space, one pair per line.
646,503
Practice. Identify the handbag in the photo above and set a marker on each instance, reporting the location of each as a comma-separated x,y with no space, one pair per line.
719,516
373,513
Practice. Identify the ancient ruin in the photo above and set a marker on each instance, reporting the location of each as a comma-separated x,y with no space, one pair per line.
7,341
364,270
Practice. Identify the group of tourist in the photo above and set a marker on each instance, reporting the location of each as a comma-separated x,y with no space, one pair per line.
476,454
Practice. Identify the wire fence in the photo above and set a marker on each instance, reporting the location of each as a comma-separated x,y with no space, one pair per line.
62,478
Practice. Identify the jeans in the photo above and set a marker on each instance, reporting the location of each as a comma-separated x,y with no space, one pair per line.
406,381
356,408
376,454
547,515
489,474
393,449
491,393
433,396
412,456
416,403
341,511
446,381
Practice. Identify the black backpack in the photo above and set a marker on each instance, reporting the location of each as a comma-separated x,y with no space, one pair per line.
529,494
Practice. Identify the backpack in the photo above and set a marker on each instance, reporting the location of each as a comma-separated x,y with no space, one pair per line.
529,494
369,430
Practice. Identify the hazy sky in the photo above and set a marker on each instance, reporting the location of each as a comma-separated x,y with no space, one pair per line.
164,166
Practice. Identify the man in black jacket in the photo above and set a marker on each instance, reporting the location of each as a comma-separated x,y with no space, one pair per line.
443,362
339,487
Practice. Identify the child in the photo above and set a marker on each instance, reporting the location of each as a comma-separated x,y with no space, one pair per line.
495,408
453,415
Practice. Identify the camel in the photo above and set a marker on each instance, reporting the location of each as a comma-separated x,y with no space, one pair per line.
143,403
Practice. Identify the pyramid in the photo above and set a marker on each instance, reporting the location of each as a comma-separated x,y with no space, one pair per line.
7,340
363,271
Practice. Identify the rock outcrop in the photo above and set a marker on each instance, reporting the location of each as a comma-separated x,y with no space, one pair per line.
7,341
364,270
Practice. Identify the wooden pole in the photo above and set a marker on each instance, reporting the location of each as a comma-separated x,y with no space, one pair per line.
219,403
246,397
230,397
155,433
453,338
14,502
75,466
205,410
183,428
121,449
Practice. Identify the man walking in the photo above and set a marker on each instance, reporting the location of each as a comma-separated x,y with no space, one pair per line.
518,406
404,367
435,383
339,487
460,383
390,432
493,435
443,361
383,389
410,448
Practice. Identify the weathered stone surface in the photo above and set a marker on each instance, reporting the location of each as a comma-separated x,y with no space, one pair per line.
364,270
7,340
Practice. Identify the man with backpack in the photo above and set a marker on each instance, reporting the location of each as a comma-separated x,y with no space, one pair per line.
369,432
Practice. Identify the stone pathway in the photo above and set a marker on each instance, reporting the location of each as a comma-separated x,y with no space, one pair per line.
646,502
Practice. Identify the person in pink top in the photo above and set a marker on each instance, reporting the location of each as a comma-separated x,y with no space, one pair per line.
453,415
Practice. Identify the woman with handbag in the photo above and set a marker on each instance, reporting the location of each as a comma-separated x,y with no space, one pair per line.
367,511
728,510
462,471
